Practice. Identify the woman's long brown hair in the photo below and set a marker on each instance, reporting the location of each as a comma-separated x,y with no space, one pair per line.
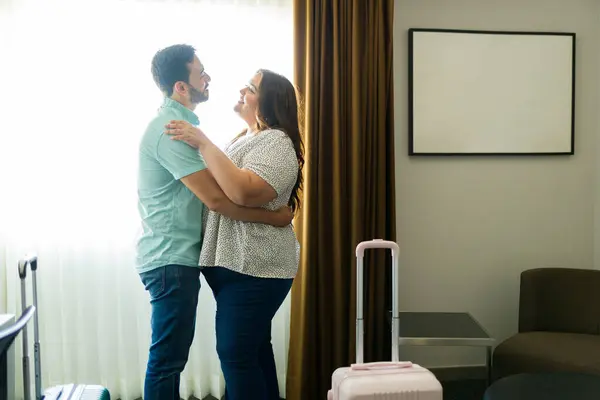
279,107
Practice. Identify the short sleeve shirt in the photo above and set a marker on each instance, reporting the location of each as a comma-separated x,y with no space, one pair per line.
255,249
171,215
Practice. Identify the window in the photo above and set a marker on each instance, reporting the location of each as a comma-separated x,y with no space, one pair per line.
79,94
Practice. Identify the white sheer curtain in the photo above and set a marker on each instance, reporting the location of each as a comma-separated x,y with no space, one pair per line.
76,96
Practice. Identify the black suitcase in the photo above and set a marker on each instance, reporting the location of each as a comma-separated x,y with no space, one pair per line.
61,392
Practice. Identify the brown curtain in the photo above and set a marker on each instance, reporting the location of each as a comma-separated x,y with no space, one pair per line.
343,57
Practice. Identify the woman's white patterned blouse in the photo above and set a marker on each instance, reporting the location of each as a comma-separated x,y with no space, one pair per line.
256,249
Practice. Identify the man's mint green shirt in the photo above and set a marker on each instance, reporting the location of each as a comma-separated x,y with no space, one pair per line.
171,214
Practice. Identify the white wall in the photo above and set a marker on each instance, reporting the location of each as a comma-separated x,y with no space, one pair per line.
468,226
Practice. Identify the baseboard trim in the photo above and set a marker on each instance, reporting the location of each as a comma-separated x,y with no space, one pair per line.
459,372
210,398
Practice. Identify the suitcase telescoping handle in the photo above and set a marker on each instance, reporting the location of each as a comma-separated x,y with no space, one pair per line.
32,263
360,255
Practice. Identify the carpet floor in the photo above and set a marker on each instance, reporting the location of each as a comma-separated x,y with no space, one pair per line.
472,389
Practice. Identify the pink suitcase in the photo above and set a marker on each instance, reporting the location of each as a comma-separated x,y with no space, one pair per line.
395,380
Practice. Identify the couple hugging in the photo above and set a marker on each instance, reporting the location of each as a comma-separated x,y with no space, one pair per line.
225,214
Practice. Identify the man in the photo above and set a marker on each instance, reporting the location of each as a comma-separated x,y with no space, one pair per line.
173,188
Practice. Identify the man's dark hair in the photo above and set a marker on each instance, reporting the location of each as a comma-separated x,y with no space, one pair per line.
170,65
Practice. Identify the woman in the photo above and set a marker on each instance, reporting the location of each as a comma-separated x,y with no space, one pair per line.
250,267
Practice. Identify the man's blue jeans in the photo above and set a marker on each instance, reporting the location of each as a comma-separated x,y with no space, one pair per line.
173,293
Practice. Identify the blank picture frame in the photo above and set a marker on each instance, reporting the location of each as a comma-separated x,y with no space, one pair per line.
490,92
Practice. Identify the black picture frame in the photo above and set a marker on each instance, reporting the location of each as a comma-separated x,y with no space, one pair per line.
411,149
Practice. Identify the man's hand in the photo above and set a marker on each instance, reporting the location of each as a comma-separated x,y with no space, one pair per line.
283,217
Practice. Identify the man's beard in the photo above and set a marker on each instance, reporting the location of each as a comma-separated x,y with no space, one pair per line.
197,97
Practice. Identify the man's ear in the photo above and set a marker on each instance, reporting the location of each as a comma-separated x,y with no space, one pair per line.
179,87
